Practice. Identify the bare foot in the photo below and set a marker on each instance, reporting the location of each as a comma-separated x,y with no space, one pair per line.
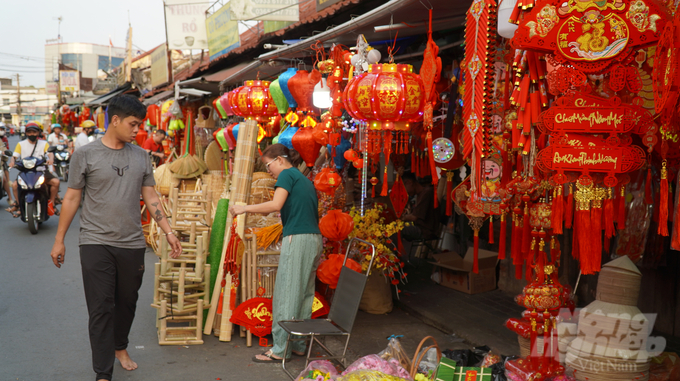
125,360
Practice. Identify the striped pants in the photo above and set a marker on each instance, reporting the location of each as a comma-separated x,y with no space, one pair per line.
294,288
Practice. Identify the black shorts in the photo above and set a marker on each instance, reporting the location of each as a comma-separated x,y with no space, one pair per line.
49,176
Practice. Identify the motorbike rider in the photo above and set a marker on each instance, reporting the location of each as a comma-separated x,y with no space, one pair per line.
56,137
83,137
32,146
4,145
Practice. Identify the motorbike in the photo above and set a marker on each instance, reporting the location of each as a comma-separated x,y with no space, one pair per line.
61,161
33,192
2,173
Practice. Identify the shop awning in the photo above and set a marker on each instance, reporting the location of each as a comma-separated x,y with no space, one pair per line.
159,97
252,70
106,97
408,17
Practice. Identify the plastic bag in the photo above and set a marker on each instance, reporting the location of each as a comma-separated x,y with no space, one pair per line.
374,362
467,357
429,362
368,375
176,111
490,359
318,370
395,351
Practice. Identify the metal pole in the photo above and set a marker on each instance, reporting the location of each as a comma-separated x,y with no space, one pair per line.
19,100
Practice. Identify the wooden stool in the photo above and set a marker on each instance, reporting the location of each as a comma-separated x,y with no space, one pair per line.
181,329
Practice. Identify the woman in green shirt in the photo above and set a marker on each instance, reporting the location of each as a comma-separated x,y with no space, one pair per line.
295,197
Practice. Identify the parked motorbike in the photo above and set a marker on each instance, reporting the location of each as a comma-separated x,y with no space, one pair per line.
62,157
33,192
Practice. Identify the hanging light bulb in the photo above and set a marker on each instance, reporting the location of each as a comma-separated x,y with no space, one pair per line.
321,97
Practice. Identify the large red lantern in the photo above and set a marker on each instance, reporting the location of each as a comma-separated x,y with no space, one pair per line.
153,113
303,142
388,96
336,225
252,100
327,181
301,87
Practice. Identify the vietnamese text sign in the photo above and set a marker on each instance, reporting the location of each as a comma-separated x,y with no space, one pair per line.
185,23
222,32
69,80
592,159
271,10
323,4
159,66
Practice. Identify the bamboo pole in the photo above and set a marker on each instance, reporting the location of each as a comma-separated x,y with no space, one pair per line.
225,325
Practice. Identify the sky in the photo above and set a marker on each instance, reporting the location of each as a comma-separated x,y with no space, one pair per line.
26,25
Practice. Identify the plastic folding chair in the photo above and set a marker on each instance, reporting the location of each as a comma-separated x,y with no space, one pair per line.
340,317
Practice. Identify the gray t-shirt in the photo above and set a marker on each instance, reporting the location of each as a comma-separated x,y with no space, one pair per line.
112,182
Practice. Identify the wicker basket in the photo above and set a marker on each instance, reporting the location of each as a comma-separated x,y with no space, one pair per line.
262,188
164,180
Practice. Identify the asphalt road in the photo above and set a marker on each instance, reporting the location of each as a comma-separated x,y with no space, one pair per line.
43,321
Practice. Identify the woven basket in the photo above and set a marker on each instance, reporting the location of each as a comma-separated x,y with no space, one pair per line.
164,180
262,188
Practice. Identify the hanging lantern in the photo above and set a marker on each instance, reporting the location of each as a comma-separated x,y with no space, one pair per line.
320,134
251,100
286,137
322,95
153,113
388,96
339,158
217,105
231,139
277,95
329,270
283,83
327,181
336,225
224,102
303,142
220,137
301,87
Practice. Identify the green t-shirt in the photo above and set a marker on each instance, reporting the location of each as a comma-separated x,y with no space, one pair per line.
299,214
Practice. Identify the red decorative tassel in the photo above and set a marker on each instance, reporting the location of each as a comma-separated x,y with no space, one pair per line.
596,233
532,257
475,263
373,191
608,218
557,210
516,244
433,167
436,198
621,216
569,210
584,230
449,188
526,228
663,202
384,185
491,242
501,238
649,200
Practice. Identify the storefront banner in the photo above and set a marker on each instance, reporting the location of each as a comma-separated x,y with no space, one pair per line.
69,80
222,32
270,10
159,66
185,23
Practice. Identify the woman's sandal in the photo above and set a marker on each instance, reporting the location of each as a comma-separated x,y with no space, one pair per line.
14,210
269,355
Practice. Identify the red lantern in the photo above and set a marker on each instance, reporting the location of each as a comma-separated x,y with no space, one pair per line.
320,134
303,142
351,155
329,270
153,113
252,100
327,181
301,87
336,225
388,96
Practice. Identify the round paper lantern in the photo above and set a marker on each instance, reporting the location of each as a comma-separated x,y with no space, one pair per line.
277,95
351,155
301,87
286,137
224,102
153,113
329,270
283,83
386,95
327,181
358,163
339,158
251,100
336,225
303,142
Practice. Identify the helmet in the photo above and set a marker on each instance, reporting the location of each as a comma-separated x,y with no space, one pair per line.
56,125
34,125
88,124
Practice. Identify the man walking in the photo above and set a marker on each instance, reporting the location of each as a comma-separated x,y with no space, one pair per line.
114,173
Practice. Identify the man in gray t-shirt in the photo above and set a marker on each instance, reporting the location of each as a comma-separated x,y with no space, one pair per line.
114,174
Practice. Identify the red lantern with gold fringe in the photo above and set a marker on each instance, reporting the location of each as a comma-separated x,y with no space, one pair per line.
252,100
327,181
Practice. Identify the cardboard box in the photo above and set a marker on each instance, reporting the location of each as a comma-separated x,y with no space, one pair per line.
456,272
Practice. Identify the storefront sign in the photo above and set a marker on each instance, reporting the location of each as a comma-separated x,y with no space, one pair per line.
51,88
159,66
222,32
185,23
271,10
69,80
583,113
323,4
